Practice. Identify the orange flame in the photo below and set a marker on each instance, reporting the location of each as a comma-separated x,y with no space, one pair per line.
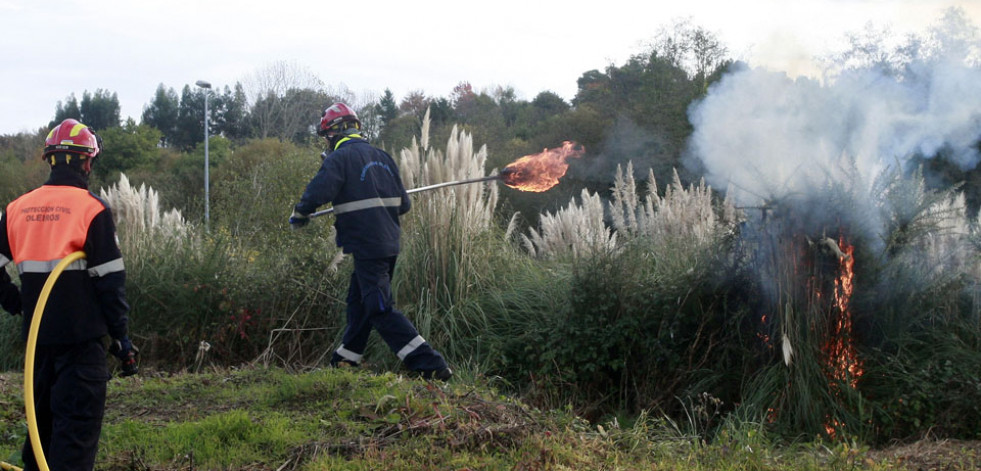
540,172
845,365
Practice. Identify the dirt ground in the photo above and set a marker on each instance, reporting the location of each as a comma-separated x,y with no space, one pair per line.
933,455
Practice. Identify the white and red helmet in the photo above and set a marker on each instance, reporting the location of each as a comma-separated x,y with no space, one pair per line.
73,137
334,116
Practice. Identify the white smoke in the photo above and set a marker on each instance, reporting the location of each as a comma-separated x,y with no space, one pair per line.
765,135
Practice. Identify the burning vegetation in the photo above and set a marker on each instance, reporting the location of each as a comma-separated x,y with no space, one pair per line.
807,257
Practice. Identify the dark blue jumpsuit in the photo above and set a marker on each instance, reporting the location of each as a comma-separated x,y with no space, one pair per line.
364,185
87,303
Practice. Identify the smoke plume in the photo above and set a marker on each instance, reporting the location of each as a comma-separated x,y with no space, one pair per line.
765,136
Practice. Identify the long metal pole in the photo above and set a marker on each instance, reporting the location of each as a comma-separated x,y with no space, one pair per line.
425,188
207,205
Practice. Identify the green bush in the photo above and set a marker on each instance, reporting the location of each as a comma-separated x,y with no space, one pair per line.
234,287
617,331
924,369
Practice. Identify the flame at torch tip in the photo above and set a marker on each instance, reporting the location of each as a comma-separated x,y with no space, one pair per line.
540,172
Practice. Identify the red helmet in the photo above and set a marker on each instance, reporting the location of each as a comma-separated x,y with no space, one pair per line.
72,136
336,114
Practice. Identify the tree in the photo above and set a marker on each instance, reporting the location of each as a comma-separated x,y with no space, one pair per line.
440,111
387,108
593,87
399,132
463,100
956,38
288,116
507,100
21,167
549,103
232,113
867,50
190,119
482,116
691,48
531,117
415,104
643,104
286,97
67,111
127,147
162,114
100,111
367,109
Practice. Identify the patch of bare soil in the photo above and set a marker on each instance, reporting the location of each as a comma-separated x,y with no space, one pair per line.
933,455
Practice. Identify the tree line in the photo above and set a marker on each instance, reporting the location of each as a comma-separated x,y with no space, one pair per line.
634,111
284,101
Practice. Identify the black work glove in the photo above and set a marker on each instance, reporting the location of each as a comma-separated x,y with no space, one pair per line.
9,295
126,352
298,220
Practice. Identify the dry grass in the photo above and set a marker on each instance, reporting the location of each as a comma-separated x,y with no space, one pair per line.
139,218
930,454
576,229
444,228
469,206
682,215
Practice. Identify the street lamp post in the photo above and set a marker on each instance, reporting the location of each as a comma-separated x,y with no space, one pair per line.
207,216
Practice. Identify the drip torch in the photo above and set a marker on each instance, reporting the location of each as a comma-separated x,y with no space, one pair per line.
430,187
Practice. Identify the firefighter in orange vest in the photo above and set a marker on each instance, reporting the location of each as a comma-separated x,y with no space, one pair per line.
87,303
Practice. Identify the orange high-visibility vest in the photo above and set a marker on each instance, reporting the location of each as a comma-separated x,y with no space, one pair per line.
47,224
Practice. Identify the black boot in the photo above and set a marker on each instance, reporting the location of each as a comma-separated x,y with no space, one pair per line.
442,374
337,361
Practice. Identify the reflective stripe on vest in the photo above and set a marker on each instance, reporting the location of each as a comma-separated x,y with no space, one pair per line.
367,203
111,266
32,266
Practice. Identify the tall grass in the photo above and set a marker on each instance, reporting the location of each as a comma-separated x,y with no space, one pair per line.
139,218
683,215
925,334
755,314
450,243
577,229
444,224
250,288
658,301
914,282
638,321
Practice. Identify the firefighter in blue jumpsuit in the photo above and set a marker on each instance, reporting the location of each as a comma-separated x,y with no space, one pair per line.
364,185
37,230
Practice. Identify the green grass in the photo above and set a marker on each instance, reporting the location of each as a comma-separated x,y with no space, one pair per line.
347,419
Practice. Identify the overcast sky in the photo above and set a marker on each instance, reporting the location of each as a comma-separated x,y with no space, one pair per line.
50,50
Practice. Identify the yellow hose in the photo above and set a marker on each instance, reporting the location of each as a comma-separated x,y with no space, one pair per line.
9,467
29,358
